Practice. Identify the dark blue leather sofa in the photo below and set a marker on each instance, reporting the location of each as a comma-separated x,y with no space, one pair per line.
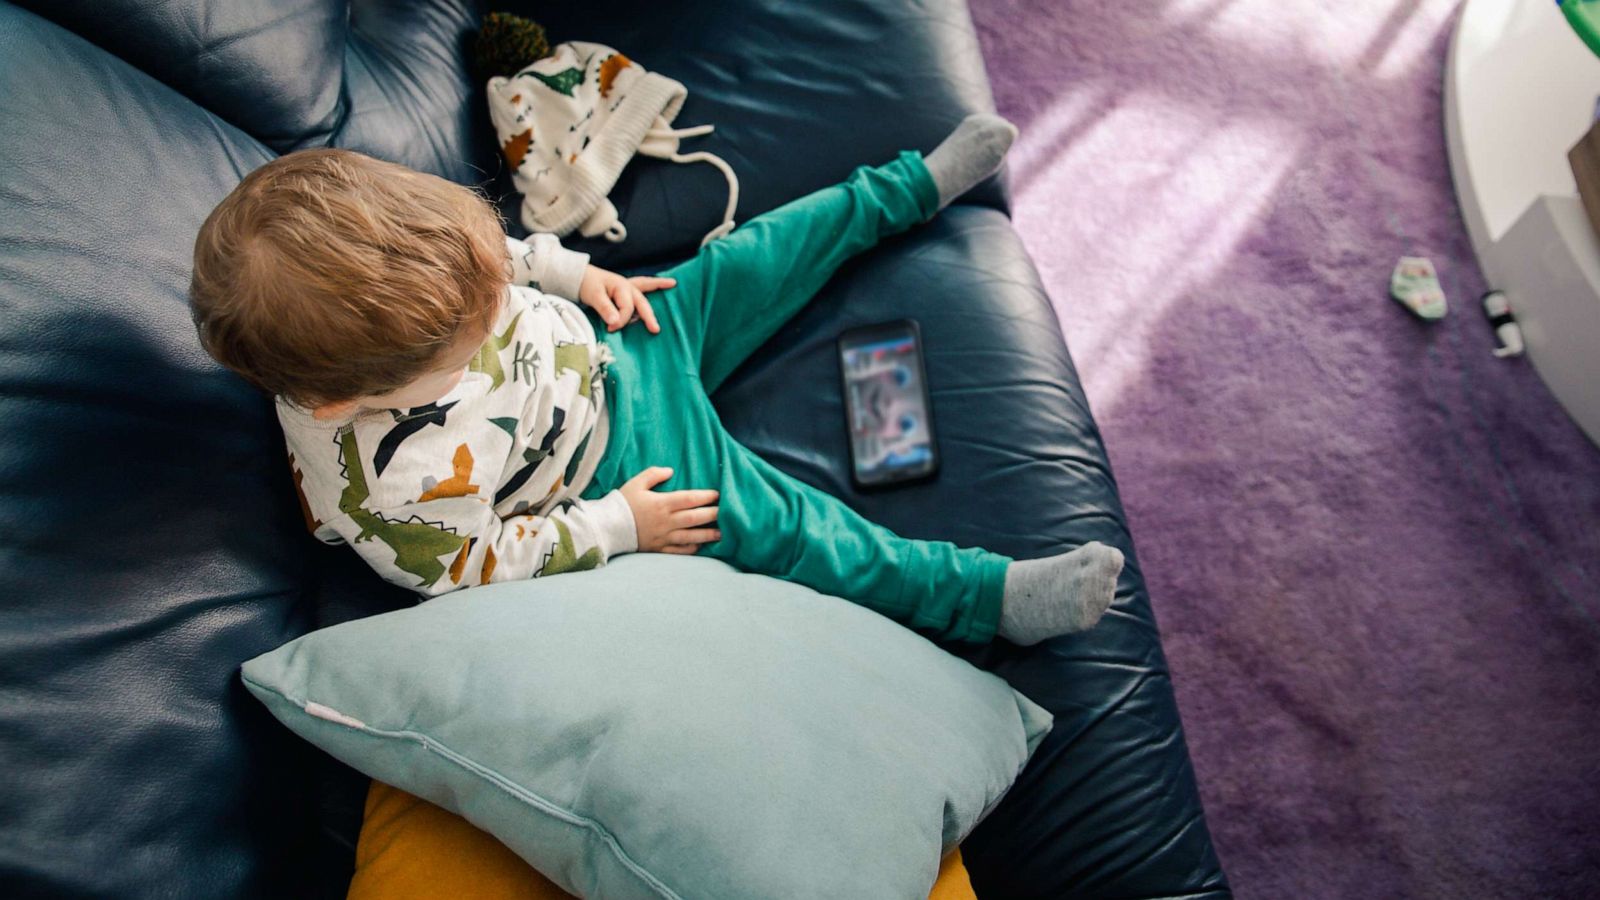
149,537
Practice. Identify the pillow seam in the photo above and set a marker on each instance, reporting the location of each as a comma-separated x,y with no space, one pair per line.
500,781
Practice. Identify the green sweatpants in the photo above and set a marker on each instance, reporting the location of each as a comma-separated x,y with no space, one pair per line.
728,300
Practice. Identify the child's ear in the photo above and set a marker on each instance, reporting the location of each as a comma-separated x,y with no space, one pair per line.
333,410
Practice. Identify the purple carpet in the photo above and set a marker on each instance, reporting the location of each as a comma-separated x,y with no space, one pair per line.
1373,548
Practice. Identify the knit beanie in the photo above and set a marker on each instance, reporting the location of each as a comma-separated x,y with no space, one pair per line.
570,122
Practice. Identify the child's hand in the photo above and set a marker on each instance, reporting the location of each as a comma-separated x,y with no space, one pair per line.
666,520
619,300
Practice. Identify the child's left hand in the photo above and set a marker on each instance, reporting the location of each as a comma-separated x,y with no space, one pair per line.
620,300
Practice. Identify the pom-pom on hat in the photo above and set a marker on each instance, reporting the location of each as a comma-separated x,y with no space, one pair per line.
569,123
506,44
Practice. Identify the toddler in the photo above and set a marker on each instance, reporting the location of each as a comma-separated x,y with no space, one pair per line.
453,415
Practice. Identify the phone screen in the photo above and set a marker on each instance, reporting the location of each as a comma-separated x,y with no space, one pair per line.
891,432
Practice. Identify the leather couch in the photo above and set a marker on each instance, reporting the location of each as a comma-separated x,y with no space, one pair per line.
149,536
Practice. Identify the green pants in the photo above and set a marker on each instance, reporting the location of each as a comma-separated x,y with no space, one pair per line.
728,300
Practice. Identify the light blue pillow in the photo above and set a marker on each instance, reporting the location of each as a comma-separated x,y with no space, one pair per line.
669,727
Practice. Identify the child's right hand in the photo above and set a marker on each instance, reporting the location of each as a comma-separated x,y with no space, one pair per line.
666,521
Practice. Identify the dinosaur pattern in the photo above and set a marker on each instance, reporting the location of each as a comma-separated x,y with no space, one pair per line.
563,557
562,82
482,484
312,522
417,543
610,68
575,358
516,149
405,425
488,359
459,484
532,457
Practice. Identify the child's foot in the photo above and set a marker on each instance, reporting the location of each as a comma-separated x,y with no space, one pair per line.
970,154
1058,594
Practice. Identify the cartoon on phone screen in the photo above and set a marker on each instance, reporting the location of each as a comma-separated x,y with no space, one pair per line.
889,426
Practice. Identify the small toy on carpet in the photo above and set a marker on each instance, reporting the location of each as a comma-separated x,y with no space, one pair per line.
1415,285
1498,309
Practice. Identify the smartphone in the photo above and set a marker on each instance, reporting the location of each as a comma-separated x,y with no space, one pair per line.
886,404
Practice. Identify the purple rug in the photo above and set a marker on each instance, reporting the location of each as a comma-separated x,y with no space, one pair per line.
1372,546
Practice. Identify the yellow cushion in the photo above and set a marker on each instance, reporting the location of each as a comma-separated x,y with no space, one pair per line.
412,850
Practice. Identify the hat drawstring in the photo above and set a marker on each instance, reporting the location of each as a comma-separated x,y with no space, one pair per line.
703,156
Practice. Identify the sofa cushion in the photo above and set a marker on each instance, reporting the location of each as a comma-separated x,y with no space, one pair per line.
412,99
272,70
147,524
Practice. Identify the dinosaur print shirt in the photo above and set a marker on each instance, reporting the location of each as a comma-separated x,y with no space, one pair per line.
481,485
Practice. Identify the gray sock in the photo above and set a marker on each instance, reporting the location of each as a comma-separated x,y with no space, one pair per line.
969,154
1058,594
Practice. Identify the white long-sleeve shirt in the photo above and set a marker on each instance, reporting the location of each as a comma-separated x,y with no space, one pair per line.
481,485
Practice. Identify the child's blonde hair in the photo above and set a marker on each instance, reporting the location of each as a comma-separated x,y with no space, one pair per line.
327,275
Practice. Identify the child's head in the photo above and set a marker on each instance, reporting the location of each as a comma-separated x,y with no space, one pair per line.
337,281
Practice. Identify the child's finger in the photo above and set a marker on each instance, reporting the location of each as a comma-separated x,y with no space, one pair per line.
681,549
694,536
647,315
608,312
688,499
652,282
652,476
622,297
699,515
